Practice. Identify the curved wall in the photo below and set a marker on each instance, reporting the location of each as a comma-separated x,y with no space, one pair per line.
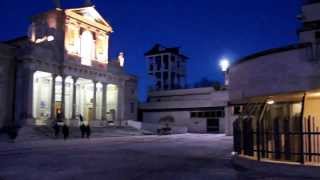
274,73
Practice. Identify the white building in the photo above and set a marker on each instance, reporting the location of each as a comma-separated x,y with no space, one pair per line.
199,110
64,65
166,67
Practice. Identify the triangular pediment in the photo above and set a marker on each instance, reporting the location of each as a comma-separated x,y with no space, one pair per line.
89,14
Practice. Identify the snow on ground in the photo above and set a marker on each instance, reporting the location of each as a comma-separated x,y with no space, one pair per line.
175,157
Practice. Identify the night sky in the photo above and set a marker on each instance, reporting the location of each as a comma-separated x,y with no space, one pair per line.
207,30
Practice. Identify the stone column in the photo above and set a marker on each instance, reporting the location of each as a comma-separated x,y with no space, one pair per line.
121,104
94,113
53,96
63,95
104,101
74,96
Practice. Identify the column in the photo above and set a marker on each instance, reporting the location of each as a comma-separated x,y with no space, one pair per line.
94,100
53,96
74,96
104,102
121,104
63,95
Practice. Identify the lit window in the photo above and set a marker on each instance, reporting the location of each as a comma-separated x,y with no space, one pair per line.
87,48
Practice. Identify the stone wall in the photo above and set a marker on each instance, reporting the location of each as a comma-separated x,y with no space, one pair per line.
6,84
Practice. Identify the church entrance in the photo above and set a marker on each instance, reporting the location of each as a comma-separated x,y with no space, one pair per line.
42,91
84,99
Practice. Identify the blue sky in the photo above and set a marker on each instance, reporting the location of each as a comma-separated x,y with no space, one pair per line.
206,30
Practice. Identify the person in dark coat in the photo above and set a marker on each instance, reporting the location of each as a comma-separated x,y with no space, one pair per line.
56,126
82,126
65,131
88,131
56,129
13,133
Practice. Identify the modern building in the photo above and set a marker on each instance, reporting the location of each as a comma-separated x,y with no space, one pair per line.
199,110
64,65
280,91
196,110
167,68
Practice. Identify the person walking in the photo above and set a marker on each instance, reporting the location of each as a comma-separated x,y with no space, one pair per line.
82,126
88,131
56,129
65,131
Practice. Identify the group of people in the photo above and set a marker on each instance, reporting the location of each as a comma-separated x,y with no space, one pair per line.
59,125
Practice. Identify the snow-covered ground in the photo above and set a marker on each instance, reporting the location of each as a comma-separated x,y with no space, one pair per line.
176,157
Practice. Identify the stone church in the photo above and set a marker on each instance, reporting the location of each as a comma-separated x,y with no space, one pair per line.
63,65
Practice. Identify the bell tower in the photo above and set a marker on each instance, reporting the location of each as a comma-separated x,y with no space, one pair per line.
310,19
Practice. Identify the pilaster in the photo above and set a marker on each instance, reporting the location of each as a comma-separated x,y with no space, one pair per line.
104,101
74,96
53,96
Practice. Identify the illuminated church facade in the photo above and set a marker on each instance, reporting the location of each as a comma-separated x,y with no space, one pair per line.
64,66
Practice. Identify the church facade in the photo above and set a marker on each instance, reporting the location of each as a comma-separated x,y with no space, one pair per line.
63,65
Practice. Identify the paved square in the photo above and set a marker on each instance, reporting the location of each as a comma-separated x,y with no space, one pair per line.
173,157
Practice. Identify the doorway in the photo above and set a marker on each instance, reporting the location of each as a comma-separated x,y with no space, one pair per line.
213,125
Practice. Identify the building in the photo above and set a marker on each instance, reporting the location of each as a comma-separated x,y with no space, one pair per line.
280,93
63,65
195,110
167,68
199,110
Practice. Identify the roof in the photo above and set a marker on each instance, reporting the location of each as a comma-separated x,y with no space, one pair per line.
92,14
16,42
272,51
159,49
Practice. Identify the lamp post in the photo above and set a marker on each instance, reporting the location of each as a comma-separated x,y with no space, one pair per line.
224,65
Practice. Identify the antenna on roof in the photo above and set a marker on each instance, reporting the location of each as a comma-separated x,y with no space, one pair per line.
57,4
88,3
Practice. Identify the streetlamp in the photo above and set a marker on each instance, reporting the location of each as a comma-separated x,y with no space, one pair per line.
224,65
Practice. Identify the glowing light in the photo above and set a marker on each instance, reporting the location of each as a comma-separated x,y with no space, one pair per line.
224,64
45,38
50,38
270,101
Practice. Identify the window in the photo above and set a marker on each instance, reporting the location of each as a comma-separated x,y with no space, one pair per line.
237,110
151,67
87,48
72,41
101,48
158,62
166,61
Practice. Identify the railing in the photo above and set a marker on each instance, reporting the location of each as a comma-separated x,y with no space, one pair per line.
287,139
